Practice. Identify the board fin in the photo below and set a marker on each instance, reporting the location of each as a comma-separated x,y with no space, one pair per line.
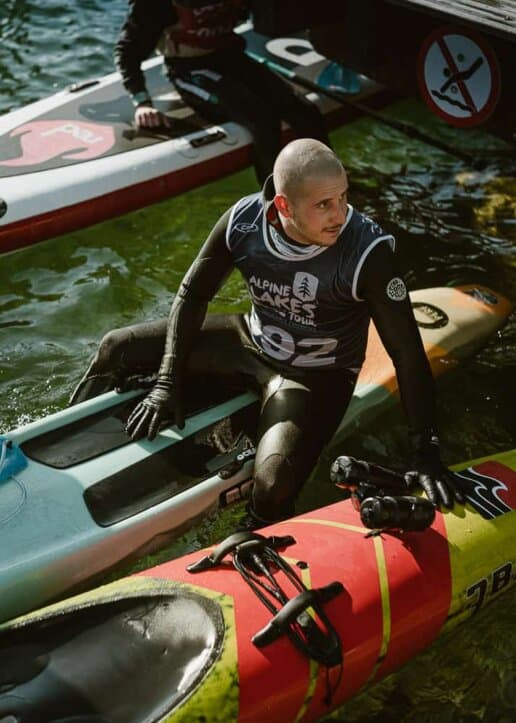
337,78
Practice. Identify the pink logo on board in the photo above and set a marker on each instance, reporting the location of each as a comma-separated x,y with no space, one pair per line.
74,140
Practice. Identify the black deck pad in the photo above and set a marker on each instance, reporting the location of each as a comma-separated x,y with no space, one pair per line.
123,662
172,470
104,431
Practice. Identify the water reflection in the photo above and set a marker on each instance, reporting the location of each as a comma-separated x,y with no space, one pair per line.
46,45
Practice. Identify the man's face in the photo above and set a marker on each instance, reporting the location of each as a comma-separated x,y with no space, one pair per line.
317,211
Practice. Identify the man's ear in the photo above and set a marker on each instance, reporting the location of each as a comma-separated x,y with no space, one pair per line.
282,205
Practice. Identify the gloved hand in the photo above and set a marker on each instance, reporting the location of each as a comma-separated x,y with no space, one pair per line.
163,402
430,473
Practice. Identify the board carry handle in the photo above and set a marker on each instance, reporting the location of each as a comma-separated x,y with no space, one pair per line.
180,129
82,85
256,559
280,623
207,138
237,540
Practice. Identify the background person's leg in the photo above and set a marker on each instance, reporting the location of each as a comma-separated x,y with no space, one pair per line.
302,115
231,85
260,99
240,98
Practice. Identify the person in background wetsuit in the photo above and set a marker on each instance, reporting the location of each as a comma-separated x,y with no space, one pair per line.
206,61
317,271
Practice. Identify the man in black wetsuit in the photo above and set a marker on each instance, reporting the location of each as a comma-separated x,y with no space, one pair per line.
317,271
205,60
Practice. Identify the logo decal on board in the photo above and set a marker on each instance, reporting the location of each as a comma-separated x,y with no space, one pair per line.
487,297
490,488
396,289
429,316
298,51
458,76
41,141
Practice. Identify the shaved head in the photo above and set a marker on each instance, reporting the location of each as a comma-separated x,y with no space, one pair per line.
301,159
311,191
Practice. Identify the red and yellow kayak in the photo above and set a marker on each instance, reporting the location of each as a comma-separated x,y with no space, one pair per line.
169,645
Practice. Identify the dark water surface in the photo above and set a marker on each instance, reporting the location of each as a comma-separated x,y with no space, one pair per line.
453,225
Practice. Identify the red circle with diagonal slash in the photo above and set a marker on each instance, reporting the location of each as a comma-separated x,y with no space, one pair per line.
458,76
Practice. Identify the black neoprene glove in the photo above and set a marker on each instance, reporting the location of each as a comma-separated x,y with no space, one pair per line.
163,402
430,473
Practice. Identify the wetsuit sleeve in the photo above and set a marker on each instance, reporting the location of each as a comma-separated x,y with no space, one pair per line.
200,284
244,11
396,325
138,38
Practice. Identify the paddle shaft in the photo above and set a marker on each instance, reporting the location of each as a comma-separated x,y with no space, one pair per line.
401,126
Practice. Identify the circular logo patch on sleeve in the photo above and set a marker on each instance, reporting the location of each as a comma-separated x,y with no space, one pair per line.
396,289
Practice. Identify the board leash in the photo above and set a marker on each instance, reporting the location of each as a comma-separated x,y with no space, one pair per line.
301,618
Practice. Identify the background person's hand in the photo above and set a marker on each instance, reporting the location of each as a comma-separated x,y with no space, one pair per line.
145,116
163,402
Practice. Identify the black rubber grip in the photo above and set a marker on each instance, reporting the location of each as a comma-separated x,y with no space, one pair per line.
279,624
348,470
247,542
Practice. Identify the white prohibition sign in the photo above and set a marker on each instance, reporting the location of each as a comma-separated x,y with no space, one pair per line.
458,76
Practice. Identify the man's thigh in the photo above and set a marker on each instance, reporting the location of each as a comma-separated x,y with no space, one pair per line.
223,348
298,419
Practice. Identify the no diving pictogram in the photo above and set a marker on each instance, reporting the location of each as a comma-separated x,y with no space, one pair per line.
458,76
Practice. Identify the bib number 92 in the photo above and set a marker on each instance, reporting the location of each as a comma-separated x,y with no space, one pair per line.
281,345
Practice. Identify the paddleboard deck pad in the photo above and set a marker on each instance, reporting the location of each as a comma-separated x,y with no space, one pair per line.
81,496
172,645
76,158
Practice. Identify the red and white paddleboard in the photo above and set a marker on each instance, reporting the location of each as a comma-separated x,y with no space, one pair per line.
75,158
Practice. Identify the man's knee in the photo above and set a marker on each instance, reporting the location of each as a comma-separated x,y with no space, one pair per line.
111,351
274,487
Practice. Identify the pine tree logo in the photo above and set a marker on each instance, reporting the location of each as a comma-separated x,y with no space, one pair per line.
305,286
